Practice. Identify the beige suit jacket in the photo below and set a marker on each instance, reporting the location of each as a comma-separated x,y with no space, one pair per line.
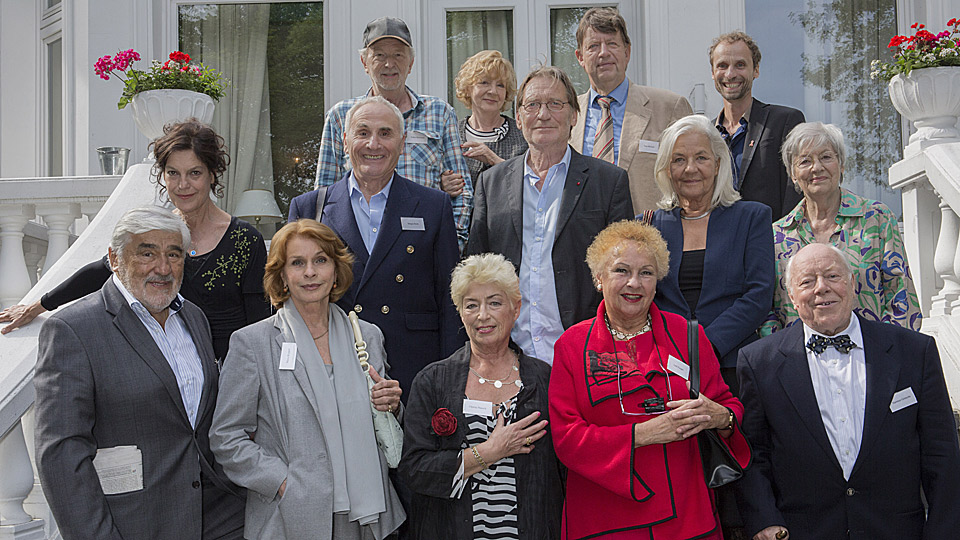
649,111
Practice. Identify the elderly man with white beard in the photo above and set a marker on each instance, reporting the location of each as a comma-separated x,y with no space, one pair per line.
126,384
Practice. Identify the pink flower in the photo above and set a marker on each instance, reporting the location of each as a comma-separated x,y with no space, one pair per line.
103,67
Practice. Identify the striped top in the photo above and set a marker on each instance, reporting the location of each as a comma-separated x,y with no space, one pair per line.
494,489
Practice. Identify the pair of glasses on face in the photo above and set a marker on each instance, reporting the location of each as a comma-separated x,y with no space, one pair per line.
651,406
533,107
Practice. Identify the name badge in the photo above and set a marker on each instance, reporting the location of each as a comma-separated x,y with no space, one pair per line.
288,356
679,367
903,399
411,223
477,407
649,147
416,137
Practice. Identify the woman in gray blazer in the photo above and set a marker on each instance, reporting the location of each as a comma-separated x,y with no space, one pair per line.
289,384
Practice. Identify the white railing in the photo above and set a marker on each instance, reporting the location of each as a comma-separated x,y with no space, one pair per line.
929,179
58,201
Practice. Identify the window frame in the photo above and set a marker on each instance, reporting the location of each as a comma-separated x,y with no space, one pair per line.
52,29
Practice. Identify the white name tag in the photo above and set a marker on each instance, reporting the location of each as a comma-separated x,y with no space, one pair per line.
411,223
478,408
650,147
288,356
903,399
416,137
677,366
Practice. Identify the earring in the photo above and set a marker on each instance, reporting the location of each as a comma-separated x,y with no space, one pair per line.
599,287
285,289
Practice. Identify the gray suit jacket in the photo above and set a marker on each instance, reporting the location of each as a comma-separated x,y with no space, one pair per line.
595,194
649,111
267,428
101,382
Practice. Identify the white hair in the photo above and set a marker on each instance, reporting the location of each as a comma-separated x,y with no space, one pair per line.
811,135
367,101
724,193
788,273
145,219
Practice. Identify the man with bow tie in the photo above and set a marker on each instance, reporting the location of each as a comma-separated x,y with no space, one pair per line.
849,419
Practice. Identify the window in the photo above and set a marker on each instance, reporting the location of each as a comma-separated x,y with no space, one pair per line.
54,107
469,32
272,115
822,53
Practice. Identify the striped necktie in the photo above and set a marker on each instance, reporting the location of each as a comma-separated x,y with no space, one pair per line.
603,140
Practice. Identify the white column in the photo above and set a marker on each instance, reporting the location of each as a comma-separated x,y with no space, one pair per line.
17,474
58,217
16,280
945,261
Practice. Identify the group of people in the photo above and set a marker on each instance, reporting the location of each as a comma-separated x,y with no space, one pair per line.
523,288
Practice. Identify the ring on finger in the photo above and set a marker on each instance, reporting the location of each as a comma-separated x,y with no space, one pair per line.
527,442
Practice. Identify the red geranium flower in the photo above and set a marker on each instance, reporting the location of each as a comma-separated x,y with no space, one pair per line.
178,56
444,423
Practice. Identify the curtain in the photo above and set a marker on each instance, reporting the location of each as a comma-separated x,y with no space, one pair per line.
469,32
233,39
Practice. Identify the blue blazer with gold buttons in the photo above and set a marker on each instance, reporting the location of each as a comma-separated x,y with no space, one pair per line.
403,285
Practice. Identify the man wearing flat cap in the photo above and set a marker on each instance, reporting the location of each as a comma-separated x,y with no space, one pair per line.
431,154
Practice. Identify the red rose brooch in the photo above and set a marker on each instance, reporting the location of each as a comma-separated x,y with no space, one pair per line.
444,423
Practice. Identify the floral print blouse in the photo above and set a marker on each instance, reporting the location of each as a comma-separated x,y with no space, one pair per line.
867,232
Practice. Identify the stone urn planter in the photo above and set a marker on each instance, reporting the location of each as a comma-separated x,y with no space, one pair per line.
930,98
154,109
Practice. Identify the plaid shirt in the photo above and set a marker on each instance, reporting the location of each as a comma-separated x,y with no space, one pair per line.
432,118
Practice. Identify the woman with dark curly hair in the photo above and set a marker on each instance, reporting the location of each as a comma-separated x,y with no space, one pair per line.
223,270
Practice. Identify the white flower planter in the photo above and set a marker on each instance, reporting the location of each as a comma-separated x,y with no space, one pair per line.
154,109
930,97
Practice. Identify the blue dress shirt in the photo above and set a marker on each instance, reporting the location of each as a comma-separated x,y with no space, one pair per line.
538,326
594,112
368,214
175,343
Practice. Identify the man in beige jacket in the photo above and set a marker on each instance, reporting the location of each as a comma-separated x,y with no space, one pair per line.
628,134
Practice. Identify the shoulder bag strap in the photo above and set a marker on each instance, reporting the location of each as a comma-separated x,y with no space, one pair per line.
362,354
321,200
693,355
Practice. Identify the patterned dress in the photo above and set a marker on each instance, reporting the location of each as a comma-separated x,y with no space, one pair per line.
868,233
494,489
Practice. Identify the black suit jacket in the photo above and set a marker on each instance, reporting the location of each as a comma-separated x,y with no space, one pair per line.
762,173
796,479
101,381
595,194
403,285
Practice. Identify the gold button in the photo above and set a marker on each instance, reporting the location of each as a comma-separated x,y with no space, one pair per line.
399,278
385,310
358,308
409,249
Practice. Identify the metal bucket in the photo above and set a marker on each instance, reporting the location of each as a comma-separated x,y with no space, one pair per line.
113,160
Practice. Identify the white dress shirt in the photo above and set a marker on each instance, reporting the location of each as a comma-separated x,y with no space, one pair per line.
840,384
177,347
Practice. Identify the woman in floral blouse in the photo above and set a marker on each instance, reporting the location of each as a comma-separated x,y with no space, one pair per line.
864,229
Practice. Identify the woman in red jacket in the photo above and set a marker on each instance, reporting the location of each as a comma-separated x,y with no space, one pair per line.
620,412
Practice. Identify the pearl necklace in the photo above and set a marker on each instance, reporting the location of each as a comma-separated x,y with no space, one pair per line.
621,336
498,383
701,216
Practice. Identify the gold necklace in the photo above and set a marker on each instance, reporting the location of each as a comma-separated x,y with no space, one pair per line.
622,336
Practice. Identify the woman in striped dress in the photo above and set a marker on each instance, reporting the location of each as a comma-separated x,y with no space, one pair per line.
476,451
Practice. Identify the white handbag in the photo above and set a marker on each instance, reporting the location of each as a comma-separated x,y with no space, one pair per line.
385,424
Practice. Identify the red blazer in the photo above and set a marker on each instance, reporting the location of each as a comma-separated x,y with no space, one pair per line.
612,488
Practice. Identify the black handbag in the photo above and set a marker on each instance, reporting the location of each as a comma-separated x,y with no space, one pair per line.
719,466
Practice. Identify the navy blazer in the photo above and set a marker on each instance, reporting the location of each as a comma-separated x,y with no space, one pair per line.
595,194
763,177
403,286
738,274
303,206
796,479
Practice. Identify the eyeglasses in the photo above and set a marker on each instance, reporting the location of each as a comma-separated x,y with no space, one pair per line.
533,107
651,406
806,161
